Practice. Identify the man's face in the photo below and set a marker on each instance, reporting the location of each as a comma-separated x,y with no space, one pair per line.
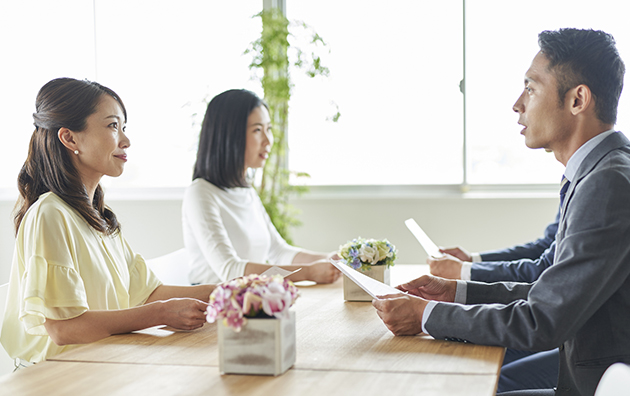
547,123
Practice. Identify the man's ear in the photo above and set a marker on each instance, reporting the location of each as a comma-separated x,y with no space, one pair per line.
67,138
580,99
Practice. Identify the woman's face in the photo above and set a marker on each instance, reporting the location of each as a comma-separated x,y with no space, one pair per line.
259,138
103,143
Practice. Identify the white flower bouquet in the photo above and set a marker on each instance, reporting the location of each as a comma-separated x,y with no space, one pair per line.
363,253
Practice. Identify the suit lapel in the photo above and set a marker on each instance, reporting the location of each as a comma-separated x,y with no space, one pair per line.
612,142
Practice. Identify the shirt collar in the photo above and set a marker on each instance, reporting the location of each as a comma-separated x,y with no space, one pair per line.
578,157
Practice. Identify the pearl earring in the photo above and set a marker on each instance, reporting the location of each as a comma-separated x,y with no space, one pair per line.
76,152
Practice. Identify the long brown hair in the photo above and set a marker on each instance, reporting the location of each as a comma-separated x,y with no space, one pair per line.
63,102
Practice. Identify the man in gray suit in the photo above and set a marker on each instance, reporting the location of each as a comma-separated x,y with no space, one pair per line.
520,263
581,304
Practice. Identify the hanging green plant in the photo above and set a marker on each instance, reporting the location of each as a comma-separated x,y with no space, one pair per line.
270,54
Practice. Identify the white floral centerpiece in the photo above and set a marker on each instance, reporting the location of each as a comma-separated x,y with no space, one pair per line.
370,256
364,253
254,320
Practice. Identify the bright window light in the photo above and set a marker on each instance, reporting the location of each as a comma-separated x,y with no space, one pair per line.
395,69
499,50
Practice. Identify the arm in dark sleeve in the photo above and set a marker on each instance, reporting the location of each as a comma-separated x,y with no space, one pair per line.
523,270
498,292
582,294
532,250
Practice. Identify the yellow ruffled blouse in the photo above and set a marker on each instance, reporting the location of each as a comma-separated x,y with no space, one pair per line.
61,268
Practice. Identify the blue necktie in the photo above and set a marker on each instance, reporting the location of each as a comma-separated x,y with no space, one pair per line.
563,189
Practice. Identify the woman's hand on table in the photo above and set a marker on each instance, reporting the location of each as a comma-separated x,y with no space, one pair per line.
321,272
334,256
184,313
90,326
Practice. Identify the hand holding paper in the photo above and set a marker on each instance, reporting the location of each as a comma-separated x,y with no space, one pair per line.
371,286
401,314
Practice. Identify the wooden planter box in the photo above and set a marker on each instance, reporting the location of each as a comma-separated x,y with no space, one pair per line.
352,292
263,346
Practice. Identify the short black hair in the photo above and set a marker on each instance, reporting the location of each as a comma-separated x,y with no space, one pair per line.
223,137
587,57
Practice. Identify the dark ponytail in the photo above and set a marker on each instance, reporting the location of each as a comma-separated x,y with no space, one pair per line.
63,103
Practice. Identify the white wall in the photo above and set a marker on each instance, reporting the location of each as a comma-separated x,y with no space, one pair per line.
153,227
476,224
6,240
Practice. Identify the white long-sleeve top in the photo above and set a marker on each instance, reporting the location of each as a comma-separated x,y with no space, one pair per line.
226,229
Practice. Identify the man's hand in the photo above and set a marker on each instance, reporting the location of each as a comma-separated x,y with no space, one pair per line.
447,266
401,313
431,288
458,252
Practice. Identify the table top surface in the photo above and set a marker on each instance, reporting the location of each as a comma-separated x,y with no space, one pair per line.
104,379
338,342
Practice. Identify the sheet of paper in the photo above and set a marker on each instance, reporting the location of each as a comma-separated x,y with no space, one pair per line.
371,286
279,271
157,331
426,242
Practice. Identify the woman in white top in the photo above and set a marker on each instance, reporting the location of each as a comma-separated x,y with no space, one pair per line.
74,278
226,229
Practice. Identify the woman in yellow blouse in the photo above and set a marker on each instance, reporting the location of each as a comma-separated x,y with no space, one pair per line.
74,278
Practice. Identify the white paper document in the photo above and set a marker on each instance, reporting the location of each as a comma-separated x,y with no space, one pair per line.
279,271
157,331
371,286
426,242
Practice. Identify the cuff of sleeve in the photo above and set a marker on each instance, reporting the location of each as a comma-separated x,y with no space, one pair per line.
426,313
466,271
476,257
232,270
460,292
287,256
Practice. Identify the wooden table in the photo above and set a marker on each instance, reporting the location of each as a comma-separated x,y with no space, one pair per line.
342,348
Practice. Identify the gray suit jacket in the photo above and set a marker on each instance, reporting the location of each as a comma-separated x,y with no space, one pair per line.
582,302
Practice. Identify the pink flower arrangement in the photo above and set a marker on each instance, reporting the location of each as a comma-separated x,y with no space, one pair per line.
251,296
